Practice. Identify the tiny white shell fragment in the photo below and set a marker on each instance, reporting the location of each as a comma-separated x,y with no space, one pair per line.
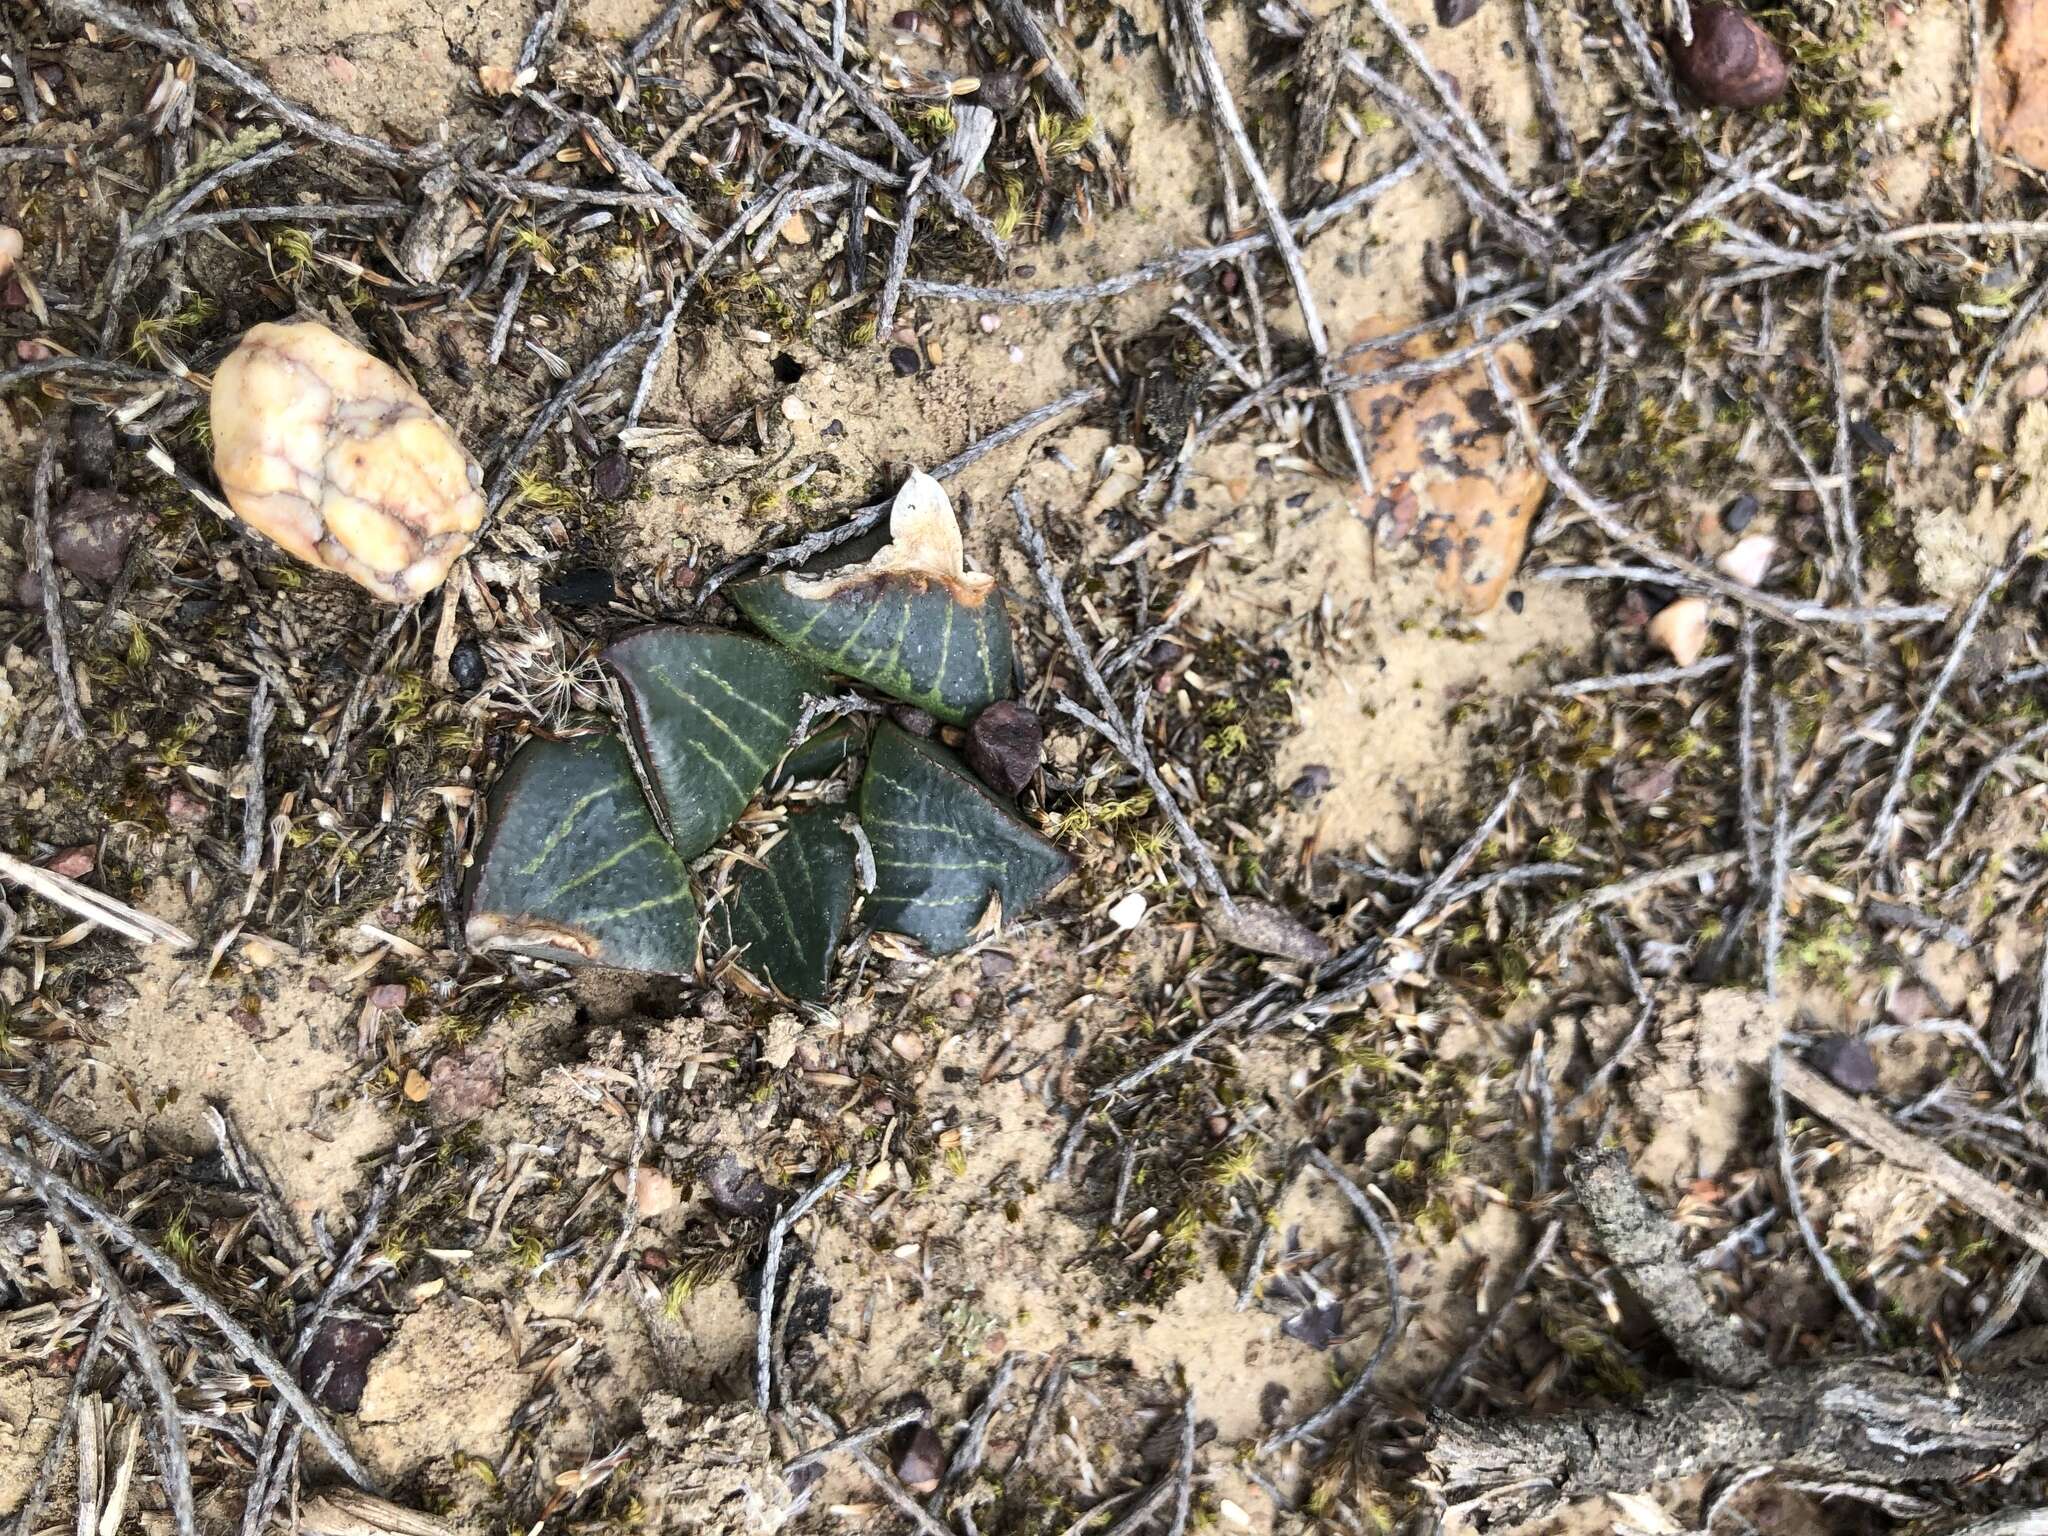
1749,560
1129,912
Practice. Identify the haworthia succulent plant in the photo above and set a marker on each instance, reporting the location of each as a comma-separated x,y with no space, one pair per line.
788,913
711,713
911,620
574,869
944,845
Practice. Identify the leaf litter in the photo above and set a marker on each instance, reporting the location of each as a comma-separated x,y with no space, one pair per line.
1074,1147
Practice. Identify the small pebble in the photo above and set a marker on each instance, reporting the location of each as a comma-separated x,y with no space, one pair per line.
391,996
903,360
1310,784
1732,61
464,1084
907,1044
1845,1061
736,1189
1451,13
1004,746
10,248
2033,383
914,720
921,1461
611,477
793,409
1737,514
989,323
654,1192
466,665
1680,629
336,1365
91,532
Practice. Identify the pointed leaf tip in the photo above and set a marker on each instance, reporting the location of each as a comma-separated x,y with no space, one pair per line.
788,913
711,713
944,846
574,869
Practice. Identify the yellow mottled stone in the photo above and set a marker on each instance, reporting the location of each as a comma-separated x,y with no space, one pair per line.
329,452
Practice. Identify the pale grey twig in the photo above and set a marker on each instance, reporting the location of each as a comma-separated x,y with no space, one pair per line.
1284,246
119,19
173,1463
793,32
1796,1203
1885,822
49,1129
770,1263
1781,841
1114,725
1496,1312
1165,268
1651,678
239,1339
855,1440
1975,787
70,722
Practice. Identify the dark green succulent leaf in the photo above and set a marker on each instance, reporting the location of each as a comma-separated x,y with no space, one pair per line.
711,712
821,753
944,845
910,635
789,912
573,867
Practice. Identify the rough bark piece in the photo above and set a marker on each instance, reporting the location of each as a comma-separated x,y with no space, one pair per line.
2018,1217
1889,1423
1640,1240
329,452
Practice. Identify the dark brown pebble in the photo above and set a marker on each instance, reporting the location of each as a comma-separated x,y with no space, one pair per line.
466,665
1731,61
1310,783
1004,745
914,720
903,360
736,1189
921,1461
336,1366
611,477
1845,1061
90,533
464,1084
92,448
1450,13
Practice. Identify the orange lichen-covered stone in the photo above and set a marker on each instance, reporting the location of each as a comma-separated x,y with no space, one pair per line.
1450,477
328,451
2016,87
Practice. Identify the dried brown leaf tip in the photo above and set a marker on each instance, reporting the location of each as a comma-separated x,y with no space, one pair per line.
2016,90
328,451
1731,60
1450,478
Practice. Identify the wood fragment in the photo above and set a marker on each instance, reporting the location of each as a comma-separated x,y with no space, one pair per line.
1640,1240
